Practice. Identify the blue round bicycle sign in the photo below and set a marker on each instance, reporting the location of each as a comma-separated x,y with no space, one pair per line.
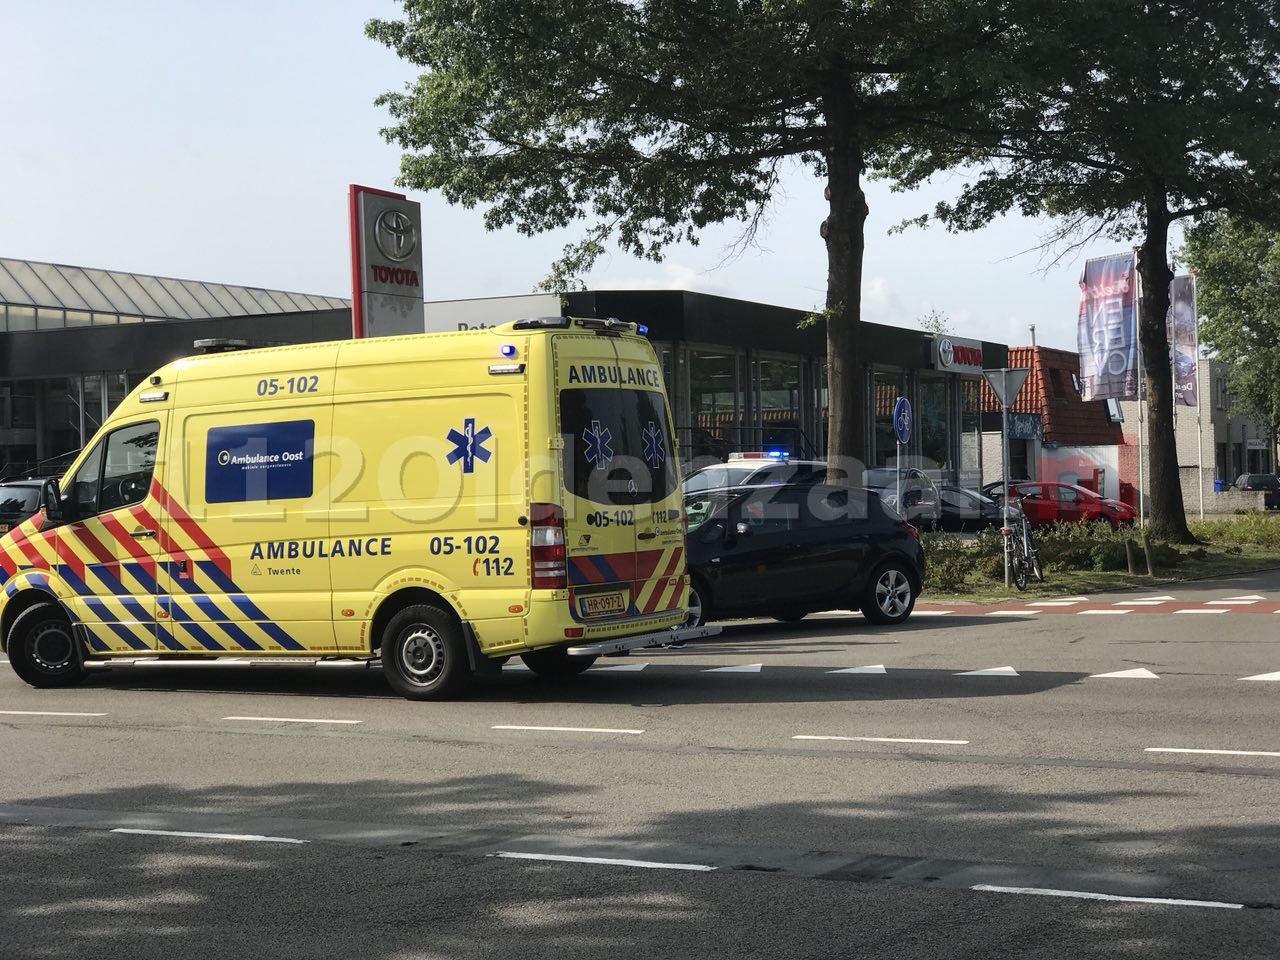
902,419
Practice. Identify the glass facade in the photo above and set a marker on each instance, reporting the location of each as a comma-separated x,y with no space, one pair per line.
934,421
45,422
886,387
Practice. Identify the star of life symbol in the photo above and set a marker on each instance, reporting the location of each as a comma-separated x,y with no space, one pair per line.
468,446
599,445
654,449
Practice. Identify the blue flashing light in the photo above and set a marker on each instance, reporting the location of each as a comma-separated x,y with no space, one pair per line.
642,329
776,454
508,350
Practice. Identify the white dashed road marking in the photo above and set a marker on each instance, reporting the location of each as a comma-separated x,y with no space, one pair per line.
1264,676
1053,603
1144,601
208,836
504,726
292,720
47,713
876,668
1099,613
1201,610
956,743
1085,895
1239,602
1011,613
1217,753
1140,673
931,613
620,668
607,861
744,668
990,672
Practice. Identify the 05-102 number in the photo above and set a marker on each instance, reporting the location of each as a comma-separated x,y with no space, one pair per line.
301,383
477,544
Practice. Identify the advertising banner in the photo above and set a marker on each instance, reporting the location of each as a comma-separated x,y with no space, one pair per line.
1184,340
386,263
1107,331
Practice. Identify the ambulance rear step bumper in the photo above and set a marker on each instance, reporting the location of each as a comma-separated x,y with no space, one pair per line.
623,644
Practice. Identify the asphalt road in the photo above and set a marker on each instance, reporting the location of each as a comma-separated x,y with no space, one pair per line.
737,797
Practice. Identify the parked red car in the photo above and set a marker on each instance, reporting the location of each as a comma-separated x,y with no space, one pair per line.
1045,503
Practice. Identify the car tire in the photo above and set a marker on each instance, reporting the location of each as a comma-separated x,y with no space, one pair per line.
424,654
555,663
698,605
890,594
790,616
43,648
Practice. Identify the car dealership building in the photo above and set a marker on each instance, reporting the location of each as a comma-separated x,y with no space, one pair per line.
741,375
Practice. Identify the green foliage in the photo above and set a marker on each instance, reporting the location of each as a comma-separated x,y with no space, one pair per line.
949,561
1237,264
1255,528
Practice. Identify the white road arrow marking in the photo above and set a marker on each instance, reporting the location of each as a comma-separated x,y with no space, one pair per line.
877,668
1141,673
990,672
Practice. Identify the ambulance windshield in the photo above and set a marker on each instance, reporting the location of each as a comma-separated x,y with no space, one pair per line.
617,445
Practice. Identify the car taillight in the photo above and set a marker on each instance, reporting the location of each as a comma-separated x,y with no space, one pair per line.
911,530
546,547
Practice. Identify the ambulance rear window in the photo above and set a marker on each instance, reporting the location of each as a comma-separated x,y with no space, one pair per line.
617,445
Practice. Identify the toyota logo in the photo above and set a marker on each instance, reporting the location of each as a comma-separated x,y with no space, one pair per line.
396,235
946,352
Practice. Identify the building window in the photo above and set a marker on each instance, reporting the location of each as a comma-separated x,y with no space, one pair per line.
886,387
1114,413
49,319
778,382
79,318
970,429
715,397
933,419
21,318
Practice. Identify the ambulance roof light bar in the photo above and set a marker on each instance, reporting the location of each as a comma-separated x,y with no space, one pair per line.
760,455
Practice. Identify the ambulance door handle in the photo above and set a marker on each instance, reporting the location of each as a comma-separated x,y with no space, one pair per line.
648,535
142,534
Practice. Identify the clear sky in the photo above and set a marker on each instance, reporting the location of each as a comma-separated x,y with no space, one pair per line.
215,141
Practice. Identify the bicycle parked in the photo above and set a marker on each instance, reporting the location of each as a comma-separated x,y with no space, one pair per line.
1020,549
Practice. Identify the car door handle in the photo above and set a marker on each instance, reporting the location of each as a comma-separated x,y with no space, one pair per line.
649,535
142,534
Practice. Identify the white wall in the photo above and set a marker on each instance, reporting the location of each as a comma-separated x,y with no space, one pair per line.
442,315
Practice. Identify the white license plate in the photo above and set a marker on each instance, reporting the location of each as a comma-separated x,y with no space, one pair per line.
602,604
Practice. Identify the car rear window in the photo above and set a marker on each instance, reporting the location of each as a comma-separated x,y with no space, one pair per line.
617,445
19,501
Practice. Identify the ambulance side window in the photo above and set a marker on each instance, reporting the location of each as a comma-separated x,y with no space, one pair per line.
123,476
84,485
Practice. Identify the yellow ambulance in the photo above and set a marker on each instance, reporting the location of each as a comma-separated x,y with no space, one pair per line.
442,501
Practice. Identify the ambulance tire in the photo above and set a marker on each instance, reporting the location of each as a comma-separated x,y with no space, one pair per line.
555,663
43,648
424,654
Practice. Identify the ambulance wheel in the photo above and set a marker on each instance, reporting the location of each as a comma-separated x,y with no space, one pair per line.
43,648
424,655
555,663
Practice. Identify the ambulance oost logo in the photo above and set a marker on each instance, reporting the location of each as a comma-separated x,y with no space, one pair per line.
224,457
599,440
655,451
468,445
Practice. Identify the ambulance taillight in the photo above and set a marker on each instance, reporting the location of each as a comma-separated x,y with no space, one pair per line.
547,557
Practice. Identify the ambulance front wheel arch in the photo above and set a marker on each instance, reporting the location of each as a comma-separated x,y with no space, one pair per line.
424,650
43,648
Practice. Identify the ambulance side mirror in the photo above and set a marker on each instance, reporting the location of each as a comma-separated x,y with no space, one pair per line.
51,500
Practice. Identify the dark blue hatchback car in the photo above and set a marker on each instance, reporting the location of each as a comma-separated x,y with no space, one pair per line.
787,550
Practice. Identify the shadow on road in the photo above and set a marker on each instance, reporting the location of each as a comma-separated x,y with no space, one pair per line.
74,893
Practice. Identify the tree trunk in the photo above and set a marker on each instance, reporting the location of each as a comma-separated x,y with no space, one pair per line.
843,231
1164,494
